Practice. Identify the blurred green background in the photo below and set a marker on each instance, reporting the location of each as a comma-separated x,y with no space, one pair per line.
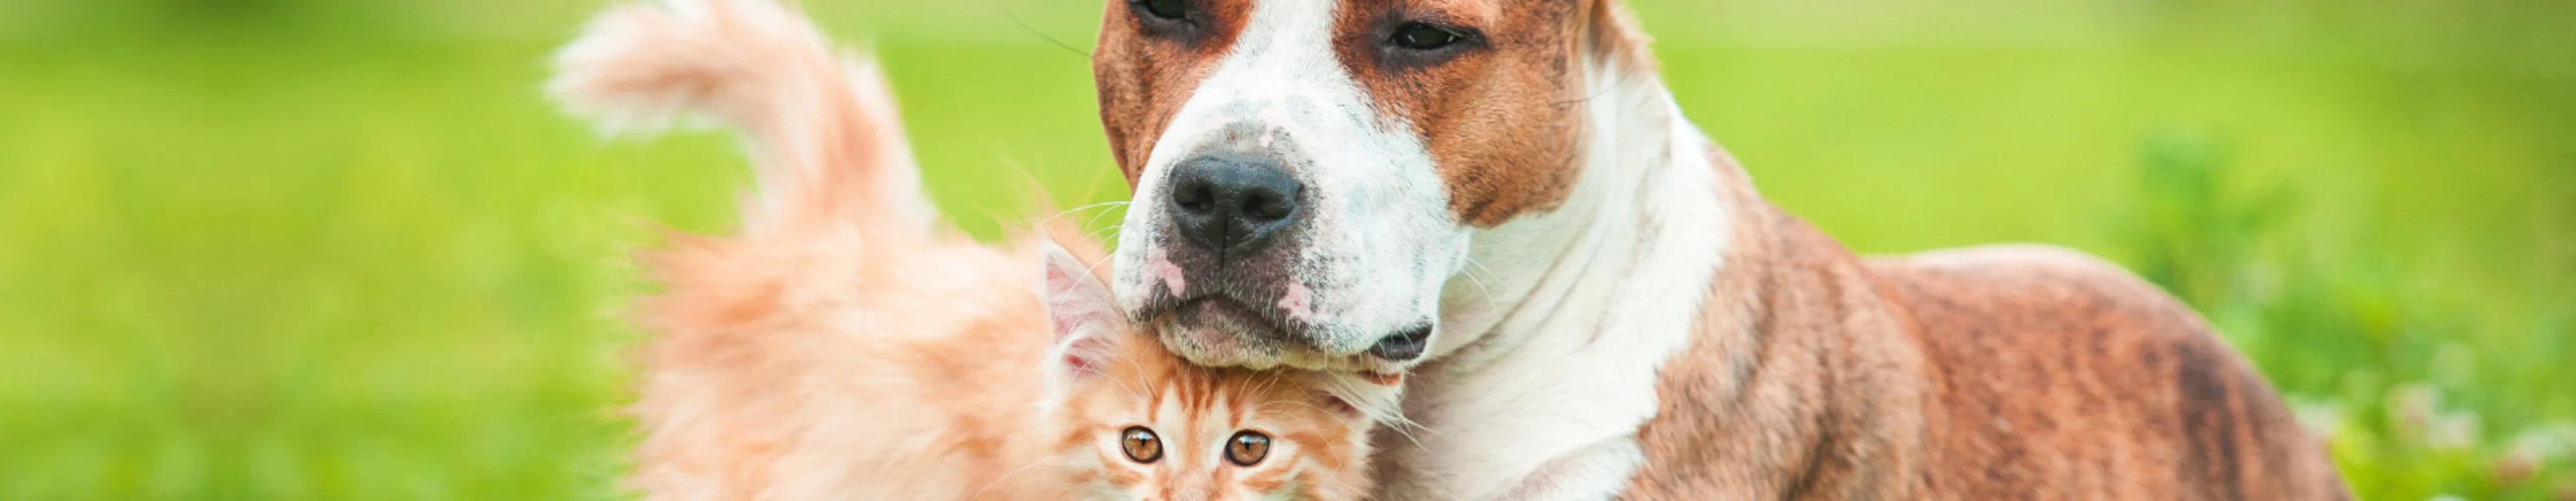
310,249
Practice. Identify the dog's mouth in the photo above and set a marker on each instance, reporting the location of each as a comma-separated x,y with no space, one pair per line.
1224,314
1222,330
1403,346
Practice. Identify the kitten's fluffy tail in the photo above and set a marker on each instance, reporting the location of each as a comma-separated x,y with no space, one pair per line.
822,128
811,294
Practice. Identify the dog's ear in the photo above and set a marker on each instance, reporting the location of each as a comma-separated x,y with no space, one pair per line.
1081,311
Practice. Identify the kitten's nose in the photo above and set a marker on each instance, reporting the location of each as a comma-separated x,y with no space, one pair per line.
1190,493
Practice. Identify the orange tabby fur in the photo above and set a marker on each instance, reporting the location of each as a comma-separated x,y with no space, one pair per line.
846,346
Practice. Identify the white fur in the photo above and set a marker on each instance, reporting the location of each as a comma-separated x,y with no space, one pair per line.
1552,339
1384,240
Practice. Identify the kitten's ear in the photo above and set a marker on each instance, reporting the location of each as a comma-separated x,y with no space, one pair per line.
1079,309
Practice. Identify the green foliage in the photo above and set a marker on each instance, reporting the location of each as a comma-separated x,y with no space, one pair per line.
2416,398
321,249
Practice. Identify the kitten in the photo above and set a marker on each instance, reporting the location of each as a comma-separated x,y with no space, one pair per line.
847,346
1137,422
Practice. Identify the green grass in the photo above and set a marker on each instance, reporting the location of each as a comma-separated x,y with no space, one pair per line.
345,250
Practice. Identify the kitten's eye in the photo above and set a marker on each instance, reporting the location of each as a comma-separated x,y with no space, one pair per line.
1247,448
1166,9
1419,36
1141,444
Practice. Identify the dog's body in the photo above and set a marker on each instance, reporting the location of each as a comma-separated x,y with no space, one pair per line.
1500,198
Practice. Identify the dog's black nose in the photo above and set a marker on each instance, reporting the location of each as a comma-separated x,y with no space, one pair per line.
1233,205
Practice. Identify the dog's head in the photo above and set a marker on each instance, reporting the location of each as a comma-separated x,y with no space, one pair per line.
1307,173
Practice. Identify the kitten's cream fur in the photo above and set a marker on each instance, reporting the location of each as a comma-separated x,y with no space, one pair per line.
846,345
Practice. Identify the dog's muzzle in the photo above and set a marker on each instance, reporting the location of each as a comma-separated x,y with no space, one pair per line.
1230,226
1231,261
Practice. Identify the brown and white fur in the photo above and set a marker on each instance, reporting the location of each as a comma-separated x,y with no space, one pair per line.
1612,311
847,346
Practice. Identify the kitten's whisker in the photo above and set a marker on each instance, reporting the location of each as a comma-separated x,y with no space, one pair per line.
1094,268
1096,234
1094,218
997,481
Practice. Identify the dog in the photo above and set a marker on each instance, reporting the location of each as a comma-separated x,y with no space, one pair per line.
1500,199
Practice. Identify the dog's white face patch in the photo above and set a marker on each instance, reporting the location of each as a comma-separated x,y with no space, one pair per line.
1409,131
1377,240
1393,131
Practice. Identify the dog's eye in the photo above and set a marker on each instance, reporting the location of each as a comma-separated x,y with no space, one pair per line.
1166,9
1247,448
1141,444
1419,36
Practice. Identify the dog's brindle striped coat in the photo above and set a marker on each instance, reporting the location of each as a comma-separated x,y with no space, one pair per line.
1616,312
1995,373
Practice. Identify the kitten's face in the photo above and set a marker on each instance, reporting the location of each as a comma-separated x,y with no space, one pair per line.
1137,422
1158,428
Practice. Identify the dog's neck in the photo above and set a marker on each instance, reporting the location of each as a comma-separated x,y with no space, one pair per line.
1580,265
1580,304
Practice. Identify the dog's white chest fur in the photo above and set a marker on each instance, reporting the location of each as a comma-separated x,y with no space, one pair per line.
1554,334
